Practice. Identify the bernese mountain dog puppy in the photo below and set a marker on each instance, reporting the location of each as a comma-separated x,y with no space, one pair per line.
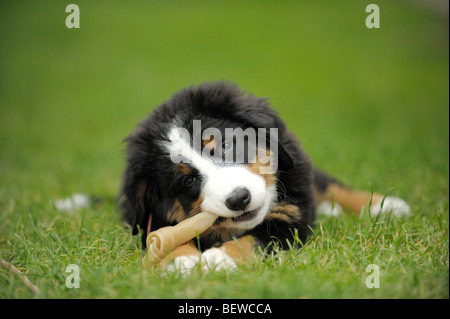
214,148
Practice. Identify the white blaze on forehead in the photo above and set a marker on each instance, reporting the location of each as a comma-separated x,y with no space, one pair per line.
219,181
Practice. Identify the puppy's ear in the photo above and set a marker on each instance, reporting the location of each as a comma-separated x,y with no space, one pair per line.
284,156
132,201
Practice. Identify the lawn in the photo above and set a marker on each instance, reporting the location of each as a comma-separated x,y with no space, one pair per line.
371,106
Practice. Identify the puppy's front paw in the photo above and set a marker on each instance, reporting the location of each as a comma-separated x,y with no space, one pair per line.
183,265
216,259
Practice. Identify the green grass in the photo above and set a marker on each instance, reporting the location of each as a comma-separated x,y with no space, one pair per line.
370,106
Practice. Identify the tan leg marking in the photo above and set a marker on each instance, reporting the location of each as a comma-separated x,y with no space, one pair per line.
240,249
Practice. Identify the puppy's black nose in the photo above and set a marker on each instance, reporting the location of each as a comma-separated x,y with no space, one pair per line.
238,199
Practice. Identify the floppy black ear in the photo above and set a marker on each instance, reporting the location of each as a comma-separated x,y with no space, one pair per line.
132,202
285,157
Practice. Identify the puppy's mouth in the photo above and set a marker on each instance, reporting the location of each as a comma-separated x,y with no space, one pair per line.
245,216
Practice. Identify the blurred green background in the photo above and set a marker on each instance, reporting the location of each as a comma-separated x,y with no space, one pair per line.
369,105
352,94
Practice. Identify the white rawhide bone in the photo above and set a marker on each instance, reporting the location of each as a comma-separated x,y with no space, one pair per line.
163,241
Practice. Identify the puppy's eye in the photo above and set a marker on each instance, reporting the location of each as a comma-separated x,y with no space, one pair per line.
188,181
